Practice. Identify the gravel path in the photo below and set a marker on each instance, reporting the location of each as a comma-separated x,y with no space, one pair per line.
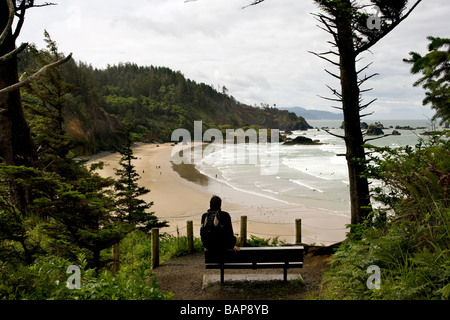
183,276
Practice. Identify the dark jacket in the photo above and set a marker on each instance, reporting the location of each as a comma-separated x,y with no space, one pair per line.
224,237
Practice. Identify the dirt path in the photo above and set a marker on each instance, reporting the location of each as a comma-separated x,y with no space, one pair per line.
184,277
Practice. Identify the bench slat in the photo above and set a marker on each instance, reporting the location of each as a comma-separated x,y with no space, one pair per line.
251,266
255,258
260,254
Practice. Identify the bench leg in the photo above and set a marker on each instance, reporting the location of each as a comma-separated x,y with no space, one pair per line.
222,276
285,274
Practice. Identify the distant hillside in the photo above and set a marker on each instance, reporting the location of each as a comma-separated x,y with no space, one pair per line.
314,114
156,100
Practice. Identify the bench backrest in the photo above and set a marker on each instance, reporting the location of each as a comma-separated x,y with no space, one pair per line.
256,255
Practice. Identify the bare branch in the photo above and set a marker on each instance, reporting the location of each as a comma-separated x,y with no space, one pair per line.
332,74
11,54
330,29
376,138
21,14
328,52
334,91
34,76
330,99
365,90
254,3
326,59
26,6
367,104
318,17
23,76
386,31
333,134
367,114
358,72
10,21
360,82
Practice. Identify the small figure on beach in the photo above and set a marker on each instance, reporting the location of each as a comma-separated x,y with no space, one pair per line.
216,230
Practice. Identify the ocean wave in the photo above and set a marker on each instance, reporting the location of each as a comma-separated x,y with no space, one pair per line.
301,183
259,194
304,169
233,186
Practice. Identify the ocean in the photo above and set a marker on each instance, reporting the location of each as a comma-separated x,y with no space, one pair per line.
313,176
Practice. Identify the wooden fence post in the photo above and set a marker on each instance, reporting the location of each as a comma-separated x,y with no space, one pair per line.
115,258
190,235
298,231
155,247
243,235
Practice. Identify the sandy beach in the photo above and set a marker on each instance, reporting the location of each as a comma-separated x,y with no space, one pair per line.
180,193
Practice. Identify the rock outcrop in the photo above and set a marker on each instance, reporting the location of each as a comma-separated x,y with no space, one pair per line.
375,129
301,140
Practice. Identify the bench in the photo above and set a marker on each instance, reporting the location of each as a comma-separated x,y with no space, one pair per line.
255,258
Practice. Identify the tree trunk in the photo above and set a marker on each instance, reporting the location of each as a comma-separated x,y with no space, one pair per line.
16,145
359,186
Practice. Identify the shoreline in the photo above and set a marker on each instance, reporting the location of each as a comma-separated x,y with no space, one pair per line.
180,193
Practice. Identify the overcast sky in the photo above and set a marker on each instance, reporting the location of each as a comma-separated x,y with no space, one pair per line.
260,53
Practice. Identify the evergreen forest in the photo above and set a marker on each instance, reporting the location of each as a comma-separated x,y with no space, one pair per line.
154,100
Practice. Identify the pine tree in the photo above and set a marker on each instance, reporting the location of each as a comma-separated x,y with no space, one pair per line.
45,102
128,202
75,214
16,144
435,69
348,23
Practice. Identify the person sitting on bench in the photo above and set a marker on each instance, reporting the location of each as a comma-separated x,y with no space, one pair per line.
216,231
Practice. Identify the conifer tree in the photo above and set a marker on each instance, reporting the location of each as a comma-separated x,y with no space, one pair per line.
435,69
44,101
128,202
353,33
350,27
16,145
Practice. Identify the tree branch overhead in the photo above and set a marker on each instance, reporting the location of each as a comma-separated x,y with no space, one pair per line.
34,76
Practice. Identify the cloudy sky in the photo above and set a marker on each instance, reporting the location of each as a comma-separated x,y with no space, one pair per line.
260,53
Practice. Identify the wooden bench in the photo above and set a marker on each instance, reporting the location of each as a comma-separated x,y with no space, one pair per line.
255,258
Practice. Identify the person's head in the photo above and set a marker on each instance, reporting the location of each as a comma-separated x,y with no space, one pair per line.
215,203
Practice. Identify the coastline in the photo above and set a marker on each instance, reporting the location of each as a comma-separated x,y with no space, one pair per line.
180,193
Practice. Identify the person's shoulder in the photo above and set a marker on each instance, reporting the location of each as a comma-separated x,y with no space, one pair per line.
225,214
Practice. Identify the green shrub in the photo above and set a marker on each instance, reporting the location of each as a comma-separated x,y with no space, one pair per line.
255,241
47,279
409,239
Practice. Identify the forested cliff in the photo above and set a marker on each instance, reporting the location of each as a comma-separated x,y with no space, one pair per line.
155,100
